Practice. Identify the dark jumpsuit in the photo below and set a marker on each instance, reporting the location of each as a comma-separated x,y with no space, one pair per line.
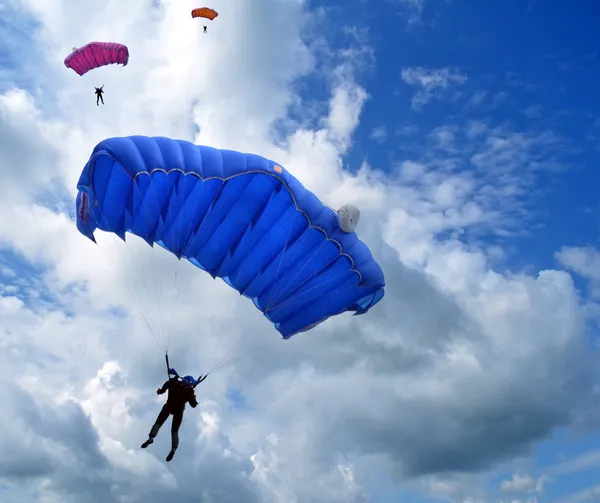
99,97
179,395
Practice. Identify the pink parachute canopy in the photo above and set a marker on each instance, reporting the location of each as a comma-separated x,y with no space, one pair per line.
96,54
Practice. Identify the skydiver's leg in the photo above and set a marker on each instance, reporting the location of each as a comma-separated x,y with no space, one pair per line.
175,425
160,420
97,98
163,415
102,99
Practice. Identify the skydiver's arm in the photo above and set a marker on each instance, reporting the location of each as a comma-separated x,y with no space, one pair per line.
192,400
164,388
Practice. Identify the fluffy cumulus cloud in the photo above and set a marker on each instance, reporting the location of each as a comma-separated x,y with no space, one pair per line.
585,262
463,365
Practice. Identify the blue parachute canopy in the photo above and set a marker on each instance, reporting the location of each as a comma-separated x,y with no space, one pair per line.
240,217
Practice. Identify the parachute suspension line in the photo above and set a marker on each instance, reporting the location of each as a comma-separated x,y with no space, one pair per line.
134,265
133,260
220,339
172,324
238,358
145,318
291,281
212,317
158,287
183,240
180,243
223,361
242,268
220,364
234,345
197,233
176,306
212,332
137,261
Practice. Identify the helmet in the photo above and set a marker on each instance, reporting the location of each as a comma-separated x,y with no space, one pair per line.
189,380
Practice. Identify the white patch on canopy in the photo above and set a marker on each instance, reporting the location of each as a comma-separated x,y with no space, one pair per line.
348,215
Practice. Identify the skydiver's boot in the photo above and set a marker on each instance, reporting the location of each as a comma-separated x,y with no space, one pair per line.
171,454
153,433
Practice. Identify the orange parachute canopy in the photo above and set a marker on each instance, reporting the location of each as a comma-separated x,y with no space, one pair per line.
205,12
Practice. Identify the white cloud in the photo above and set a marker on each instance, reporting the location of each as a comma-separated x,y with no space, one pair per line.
478,98
584,261
413,10
522,483
378,134
431,83
533,112
586,461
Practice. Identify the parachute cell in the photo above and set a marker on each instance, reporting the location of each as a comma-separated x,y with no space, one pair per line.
239,217
95,55
204,12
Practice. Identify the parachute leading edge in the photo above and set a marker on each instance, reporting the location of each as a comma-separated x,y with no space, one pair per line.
240,217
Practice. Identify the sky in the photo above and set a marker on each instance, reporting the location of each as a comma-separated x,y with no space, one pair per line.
468,134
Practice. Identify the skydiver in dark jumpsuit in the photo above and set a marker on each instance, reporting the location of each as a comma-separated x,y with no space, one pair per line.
205,30
99,91
181,392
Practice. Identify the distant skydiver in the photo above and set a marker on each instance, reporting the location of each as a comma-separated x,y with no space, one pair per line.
204,13
181,392
99,91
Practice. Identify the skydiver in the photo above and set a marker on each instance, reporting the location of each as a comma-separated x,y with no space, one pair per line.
99,91
181,392
205,29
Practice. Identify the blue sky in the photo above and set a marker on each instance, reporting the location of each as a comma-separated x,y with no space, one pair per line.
539,61
469,136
